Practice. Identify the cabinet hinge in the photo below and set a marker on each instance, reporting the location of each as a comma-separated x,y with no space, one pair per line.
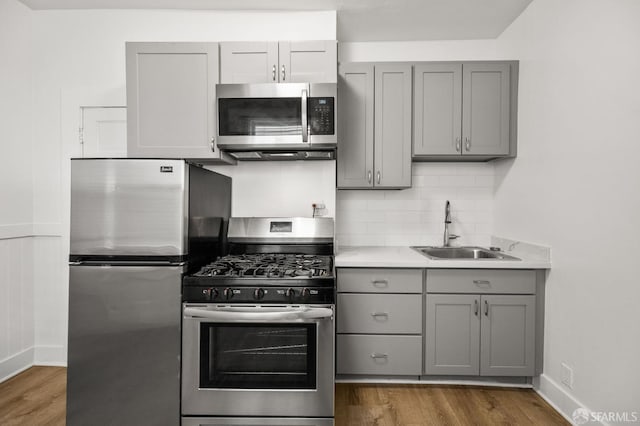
81,135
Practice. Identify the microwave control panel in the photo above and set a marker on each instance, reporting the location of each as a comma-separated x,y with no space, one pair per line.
320,112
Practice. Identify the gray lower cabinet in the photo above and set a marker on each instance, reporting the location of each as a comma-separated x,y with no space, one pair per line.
388,355
471,334
507,335
374,126
452,334
379,313
171,109
379,321
465,110
461,322
379,280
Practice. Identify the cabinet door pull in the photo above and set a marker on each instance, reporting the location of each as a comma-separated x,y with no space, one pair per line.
377,355
482,282
380,314
475,305
380,283
283,73
369,176
486,308
378,176
467,143
273,72
458,144
213,144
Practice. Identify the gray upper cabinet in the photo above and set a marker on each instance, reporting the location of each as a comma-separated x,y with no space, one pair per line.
355,126
392,134
465,110
278,62
374,126
437,109
308,61
486,108
507,335
171,100
248,62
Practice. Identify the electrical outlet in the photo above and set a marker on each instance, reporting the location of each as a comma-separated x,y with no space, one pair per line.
319,209
566,375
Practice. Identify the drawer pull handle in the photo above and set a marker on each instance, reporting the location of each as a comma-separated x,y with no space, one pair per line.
380,314
376,355
486,308
482,282
475,303
380,283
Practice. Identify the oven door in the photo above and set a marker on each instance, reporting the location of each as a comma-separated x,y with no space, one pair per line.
258,360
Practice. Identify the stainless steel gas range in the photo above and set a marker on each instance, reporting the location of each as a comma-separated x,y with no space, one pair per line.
258,327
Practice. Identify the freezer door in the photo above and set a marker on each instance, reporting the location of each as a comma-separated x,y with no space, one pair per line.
124,345
128,207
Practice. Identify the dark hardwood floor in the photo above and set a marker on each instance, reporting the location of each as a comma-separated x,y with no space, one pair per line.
37,397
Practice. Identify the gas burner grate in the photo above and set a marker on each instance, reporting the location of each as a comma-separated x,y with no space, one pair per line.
269,265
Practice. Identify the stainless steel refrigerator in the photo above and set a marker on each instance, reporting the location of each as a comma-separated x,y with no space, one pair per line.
137,225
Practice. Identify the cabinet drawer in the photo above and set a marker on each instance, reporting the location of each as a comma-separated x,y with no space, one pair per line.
379,313
369,280
508,281
385,355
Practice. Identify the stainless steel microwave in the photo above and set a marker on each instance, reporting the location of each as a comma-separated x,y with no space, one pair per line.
277,120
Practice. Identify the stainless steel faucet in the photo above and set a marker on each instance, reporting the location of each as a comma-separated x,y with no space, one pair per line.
446,241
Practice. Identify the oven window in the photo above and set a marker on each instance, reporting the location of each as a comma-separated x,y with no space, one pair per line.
258,356
259,116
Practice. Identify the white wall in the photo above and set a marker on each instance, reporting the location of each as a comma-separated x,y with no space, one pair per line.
447,50
79,59
574,187
16,190
281,188
415,216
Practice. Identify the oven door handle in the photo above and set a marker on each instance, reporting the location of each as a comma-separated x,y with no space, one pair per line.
258,314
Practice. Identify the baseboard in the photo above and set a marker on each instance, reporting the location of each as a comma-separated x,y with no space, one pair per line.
561,400
55,356
16,364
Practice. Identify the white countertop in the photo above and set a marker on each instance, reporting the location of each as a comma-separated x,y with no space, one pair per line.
405,257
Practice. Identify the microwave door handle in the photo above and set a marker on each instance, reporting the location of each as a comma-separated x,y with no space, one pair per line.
305,129
256,314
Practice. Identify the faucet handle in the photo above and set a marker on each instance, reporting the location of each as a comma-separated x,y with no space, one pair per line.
453,236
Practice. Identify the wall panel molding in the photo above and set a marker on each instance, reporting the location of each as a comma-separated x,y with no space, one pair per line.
27,230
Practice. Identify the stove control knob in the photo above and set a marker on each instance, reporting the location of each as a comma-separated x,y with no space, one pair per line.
305,292
210,293
258,293
290,293
228,293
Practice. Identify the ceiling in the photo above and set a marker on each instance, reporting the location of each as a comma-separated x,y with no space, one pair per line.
358,20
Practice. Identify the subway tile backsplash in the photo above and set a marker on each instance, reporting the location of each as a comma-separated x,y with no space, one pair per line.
415,216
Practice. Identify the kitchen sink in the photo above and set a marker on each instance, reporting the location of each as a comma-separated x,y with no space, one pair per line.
462,253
